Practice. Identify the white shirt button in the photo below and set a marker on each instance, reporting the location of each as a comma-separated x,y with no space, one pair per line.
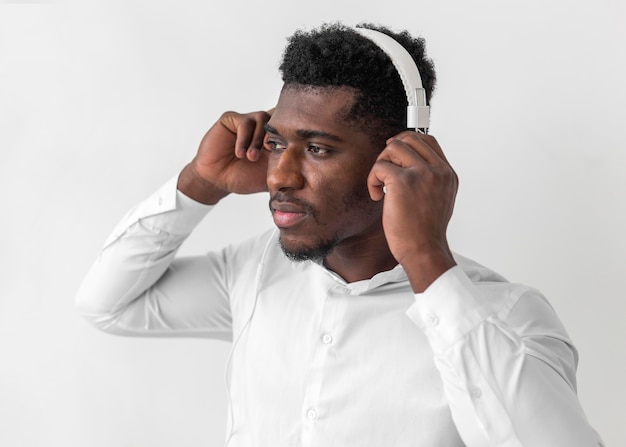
160,201
327,339
311,414
432,319
475,392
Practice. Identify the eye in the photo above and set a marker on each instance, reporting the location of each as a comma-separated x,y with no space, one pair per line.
273,146
317,150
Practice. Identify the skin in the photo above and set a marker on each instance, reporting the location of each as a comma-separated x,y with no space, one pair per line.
325,177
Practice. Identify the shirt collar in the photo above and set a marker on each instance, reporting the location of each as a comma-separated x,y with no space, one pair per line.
395,275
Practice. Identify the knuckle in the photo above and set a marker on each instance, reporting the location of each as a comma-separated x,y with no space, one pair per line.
395,147
402,138
455,180
450,174
247,120
262,115
406,134
414,174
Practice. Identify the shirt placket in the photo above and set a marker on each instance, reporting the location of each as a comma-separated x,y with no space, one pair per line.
328,335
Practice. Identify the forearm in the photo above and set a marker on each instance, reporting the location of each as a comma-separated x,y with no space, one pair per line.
426,265
195,187
124,272
136,256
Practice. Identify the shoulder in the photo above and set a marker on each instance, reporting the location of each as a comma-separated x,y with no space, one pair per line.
252,249
528,313
514,302
254,256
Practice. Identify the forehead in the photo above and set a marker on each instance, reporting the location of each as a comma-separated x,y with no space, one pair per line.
323,109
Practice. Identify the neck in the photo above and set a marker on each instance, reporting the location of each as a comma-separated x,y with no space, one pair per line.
356,260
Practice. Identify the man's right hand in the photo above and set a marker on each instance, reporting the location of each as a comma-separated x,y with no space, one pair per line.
230,159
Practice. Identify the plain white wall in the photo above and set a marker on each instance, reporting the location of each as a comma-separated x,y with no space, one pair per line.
101,102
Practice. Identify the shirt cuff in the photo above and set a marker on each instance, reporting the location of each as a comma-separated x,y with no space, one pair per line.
167,210
449,309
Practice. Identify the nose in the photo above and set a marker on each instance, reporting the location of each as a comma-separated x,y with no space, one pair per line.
284,170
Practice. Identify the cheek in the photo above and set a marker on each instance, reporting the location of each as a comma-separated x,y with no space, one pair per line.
359,182
344,189
355,200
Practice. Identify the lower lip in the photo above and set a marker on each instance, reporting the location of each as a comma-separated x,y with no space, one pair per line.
283,219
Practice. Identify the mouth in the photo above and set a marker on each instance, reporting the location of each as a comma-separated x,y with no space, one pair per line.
287,215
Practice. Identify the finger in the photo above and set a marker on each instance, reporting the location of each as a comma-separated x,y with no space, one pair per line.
256,145
243,128
381,179
401,153
424,145
249,133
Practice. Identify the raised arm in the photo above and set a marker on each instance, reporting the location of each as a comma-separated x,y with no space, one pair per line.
507,365
137,286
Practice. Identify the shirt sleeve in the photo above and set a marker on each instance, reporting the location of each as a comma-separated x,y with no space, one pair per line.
509,373
138,287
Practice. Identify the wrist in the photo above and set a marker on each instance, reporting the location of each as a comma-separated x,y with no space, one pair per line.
423,267
191,184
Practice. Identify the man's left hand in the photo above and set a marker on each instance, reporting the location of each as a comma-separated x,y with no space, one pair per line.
419,186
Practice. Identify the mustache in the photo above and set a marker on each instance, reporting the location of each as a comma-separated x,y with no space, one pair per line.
283,197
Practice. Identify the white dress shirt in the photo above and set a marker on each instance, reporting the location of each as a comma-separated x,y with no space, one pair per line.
318,362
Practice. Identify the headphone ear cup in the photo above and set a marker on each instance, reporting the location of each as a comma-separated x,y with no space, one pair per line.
418,111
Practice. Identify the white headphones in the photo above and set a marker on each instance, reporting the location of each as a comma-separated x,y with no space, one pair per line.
417,111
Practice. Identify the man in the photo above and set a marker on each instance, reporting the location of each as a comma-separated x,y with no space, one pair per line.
353,324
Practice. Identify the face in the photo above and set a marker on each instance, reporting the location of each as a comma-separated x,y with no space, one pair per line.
317,173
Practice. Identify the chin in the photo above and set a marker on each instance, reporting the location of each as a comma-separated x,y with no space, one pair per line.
299,252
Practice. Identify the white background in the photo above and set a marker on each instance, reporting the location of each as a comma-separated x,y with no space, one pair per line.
101,102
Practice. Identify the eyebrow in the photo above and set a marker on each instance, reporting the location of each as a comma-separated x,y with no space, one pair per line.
306,133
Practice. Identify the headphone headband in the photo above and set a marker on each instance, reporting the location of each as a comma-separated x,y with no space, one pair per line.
418,111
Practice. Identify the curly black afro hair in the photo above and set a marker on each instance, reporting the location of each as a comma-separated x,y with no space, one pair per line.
335,55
